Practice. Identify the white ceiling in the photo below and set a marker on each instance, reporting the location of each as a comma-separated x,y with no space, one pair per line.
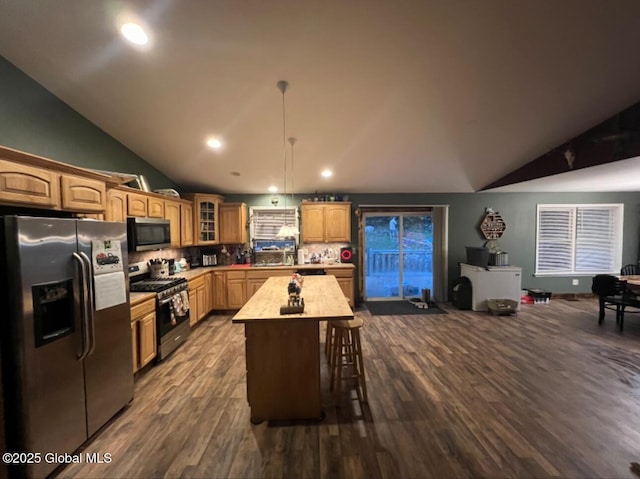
406,96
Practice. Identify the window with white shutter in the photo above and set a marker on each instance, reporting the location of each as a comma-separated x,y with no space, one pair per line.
579,239
265,222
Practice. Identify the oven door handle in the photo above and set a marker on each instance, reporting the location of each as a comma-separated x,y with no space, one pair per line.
170,298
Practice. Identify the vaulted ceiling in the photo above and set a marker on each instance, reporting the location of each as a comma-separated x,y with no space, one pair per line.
412,96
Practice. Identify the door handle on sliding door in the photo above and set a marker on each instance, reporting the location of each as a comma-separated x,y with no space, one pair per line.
84,302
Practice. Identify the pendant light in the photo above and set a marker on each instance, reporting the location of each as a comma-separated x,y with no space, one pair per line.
288,230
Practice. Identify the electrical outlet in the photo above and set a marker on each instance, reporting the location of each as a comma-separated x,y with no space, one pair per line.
575,282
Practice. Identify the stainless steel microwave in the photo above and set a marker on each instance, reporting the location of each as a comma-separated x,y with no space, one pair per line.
145,234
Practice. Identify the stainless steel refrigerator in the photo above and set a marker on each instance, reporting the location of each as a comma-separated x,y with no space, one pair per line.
66,366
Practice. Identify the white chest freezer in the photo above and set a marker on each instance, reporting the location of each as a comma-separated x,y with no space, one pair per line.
492,282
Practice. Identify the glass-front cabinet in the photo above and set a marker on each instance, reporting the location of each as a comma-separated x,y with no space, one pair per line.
206,224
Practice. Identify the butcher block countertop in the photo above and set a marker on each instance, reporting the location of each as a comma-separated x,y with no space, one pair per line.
323,300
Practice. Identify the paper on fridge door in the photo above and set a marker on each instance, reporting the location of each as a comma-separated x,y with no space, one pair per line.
109,290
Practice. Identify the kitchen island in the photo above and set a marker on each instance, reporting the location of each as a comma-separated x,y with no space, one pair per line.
283,351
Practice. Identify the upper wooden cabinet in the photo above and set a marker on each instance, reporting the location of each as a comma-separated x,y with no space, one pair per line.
233,223
205,218
326,222
82,194
137,205
172,213
116,205
27,185
155,207
186,224
33,181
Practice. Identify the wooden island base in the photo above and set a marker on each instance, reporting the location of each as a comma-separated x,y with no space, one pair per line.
283,351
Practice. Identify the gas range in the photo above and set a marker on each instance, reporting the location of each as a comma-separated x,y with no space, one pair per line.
163,287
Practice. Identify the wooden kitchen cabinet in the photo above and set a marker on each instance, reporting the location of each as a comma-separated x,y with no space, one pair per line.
172,213
134,345
143,332
345,280
219,290
136,205
116,208
193,307
147,338
236,282
82,194
205,218
256,278
186,224
326,222
233,223
155,207
197,300
208,292
202,302
29,186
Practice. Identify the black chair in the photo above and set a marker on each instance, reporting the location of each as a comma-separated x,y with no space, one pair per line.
614,294
630,270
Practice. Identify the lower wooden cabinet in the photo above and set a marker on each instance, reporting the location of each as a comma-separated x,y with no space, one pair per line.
193,306
236,289
147,338
143,333
208,292
257,277
345,280
134,345
219,290
197,300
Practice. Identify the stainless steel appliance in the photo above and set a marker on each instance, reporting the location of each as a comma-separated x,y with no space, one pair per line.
209,260
172,310
147,234
66,367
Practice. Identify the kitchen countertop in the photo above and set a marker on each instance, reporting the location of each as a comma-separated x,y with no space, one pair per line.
194,273
137,298
324,300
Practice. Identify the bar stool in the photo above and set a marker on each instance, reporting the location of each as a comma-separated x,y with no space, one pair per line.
346,354
328,339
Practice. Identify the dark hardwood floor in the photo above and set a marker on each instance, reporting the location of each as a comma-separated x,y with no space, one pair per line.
548,393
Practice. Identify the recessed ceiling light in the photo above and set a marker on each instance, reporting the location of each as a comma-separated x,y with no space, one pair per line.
214,143
327,173
134,33
273,189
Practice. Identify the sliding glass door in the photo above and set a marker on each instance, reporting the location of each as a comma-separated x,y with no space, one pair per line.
398,255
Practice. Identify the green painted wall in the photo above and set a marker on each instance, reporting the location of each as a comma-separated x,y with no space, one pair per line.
466,211
35,121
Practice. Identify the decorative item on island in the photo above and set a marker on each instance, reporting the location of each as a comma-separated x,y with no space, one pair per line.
295,304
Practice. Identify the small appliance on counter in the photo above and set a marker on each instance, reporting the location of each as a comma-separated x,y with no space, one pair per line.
209,260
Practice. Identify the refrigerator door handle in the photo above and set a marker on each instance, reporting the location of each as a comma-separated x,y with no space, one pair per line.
83,304
91,304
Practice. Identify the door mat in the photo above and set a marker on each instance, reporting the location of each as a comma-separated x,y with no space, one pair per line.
400,307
